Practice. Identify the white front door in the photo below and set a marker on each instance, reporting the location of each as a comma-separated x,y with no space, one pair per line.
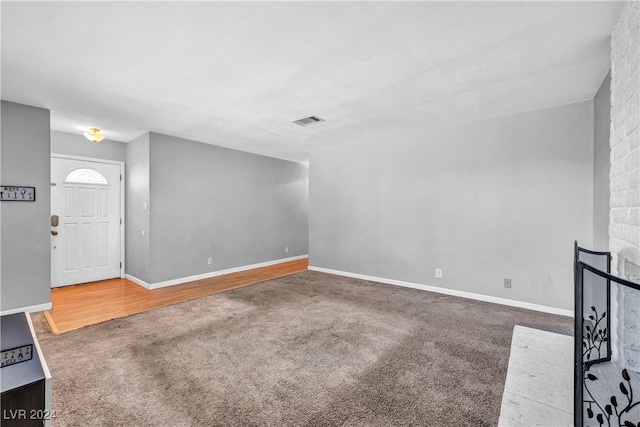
86,242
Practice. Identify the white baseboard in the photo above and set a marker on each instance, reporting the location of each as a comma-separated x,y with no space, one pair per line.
137,281
29,309
452,292
181,280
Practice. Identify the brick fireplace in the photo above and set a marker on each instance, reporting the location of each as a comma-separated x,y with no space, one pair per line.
624,220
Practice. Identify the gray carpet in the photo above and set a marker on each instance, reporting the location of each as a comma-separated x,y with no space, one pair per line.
307,349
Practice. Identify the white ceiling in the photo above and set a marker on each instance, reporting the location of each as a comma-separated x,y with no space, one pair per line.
236,74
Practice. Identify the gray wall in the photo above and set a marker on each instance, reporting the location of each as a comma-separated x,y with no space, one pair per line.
601,163
136,218
209,202
212,202
77,145
499,199
25,276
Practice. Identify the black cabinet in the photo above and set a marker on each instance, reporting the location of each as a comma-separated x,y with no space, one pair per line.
24,406
24,377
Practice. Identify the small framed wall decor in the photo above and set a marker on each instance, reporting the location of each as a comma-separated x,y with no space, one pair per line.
16,355
14,193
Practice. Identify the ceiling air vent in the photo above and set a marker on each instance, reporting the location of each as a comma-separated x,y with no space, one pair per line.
308,121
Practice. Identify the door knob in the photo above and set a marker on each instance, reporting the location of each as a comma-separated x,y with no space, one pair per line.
54,233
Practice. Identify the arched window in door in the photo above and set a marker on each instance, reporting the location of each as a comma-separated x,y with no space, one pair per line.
86,176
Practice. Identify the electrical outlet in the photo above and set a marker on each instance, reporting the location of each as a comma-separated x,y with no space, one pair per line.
286,249
438,273
210,261
507,283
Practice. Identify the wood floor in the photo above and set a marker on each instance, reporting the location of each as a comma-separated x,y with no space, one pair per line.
82,305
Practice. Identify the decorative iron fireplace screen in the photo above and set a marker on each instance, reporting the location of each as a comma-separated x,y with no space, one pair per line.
604,391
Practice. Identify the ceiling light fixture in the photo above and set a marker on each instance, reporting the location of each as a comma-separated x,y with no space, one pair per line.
94,135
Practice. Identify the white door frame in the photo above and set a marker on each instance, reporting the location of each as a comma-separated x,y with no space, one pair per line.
109,162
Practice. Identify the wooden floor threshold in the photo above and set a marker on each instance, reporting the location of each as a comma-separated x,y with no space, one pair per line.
78,306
